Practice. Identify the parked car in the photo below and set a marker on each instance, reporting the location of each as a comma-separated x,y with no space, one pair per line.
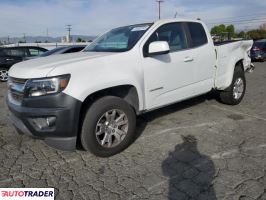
12,55
258,50
94,96
61,50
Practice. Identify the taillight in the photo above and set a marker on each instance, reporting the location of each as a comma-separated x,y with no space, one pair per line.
256,49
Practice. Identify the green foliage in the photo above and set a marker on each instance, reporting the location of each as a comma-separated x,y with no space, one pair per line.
241,34
254,34
217,30
257,34
230,29
80,40
221,29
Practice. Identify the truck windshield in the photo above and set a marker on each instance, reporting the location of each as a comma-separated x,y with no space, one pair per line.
119,40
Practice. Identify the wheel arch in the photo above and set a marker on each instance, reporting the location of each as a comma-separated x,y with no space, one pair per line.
127,92
226,79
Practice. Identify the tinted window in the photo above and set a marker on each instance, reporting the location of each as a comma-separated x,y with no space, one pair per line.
34,52
53,51
259,44
15,52
172,33
197,33
74,49
1,53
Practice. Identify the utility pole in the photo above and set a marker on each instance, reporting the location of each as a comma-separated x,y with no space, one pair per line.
159,6
24,37
68,28
176,13
8,39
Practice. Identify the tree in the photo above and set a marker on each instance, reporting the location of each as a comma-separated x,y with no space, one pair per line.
218,30
241,34
221,29
80,40
231,30
263,27
257,34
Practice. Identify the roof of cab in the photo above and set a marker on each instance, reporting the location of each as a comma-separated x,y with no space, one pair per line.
164,21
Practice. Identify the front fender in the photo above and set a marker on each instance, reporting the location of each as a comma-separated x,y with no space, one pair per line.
82,89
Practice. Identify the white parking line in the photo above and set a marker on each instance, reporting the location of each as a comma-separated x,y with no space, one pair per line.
178,128
237,112
231,152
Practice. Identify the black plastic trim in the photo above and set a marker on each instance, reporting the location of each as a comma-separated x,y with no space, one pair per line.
65,108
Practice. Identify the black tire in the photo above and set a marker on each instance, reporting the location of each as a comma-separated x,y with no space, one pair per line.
227,96
2,77
93,115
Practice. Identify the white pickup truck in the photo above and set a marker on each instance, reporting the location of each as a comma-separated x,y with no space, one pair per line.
93,97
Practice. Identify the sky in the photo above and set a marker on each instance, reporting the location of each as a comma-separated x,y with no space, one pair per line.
93,17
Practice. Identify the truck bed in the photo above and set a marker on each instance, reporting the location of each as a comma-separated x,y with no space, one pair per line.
225,42
228,53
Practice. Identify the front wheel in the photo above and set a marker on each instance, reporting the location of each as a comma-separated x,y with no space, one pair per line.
234,94
108,126
3,74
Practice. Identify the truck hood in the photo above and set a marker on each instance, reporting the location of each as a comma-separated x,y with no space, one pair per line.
40,67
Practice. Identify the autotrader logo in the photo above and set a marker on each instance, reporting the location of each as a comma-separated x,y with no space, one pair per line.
27,193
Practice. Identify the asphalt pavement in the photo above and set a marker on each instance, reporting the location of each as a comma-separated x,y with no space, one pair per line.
199,149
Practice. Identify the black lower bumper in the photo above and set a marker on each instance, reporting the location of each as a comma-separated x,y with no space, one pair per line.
32,118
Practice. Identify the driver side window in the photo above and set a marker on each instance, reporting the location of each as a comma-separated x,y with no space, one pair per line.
172,33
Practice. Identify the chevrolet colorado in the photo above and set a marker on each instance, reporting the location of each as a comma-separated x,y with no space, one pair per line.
94,96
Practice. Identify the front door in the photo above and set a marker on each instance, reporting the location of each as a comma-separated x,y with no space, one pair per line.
168,78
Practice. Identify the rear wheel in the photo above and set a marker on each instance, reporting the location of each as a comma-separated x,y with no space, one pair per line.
108,126
234,94
3,74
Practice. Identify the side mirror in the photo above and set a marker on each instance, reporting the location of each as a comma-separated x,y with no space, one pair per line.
159,48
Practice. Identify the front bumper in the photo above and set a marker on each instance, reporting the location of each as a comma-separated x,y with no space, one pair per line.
64,108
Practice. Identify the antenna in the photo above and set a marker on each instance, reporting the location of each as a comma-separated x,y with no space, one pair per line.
159,6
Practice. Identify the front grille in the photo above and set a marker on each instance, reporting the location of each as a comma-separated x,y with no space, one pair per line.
16,90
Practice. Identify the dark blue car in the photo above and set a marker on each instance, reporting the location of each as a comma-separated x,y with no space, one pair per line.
258,50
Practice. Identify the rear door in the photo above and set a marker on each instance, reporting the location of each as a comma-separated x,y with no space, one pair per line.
13,56
203,54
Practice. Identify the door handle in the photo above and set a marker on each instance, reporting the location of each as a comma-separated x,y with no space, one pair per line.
188,59
9,59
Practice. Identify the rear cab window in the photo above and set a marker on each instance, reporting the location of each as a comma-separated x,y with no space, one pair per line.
196,34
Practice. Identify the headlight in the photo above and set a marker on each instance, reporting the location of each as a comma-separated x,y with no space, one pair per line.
46,86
